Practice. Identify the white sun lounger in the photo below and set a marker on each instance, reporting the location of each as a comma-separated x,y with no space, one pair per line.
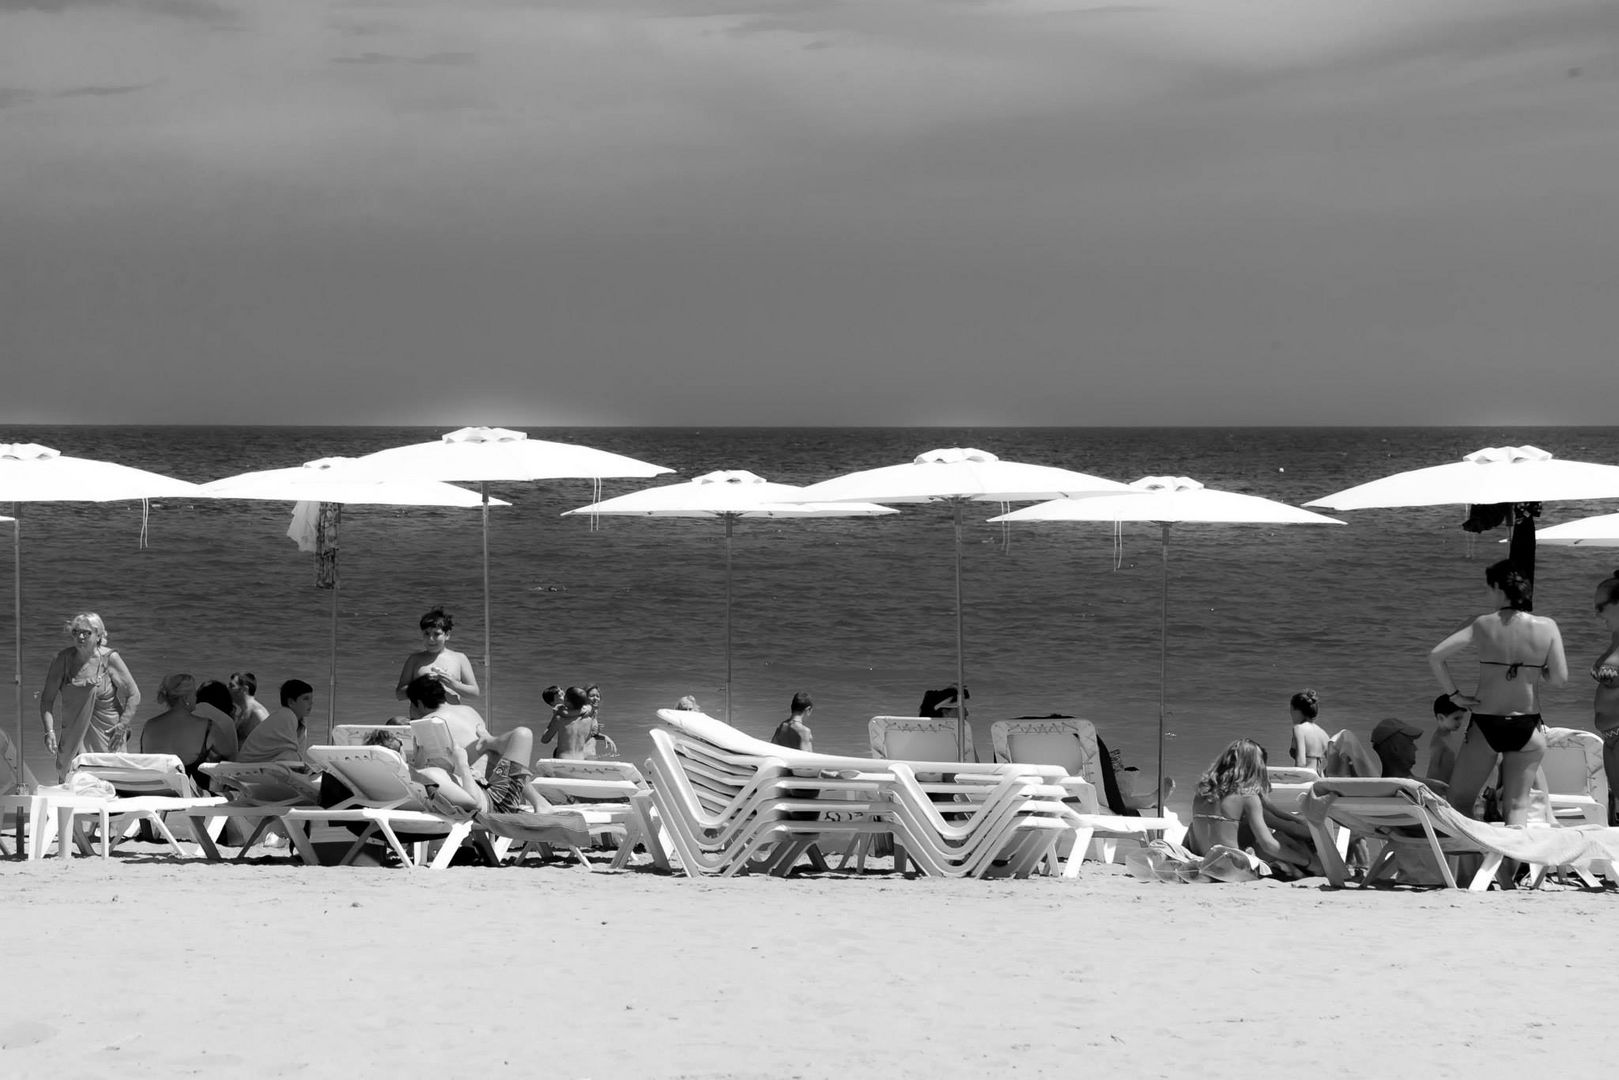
148,786
257,794
386,801
1406,814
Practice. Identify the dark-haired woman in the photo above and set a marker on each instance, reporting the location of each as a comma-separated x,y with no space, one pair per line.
1518,653
1310,739
437,659
1606,674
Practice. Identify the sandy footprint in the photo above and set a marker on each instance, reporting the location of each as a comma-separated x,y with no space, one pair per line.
21,1033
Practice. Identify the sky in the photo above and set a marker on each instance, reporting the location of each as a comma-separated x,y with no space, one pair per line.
809,212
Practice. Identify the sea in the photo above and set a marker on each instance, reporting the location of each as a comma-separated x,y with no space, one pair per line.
860,612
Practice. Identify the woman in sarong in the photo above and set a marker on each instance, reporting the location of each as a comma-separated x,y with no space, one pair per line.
93,693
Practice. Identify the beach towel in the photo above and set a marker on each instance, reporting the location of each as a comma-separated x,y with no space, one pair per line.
560,828
1348,756
1161,860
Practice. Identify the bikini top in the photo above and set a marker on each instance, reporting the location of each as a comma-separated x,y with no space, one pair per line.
1513,666
1606,674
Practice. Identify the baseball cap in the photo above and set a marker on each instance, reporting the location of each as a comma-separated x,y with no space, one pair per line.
1391,726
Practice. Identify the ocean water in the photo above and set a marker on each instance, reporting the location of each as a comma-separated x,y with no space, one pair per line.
1060,618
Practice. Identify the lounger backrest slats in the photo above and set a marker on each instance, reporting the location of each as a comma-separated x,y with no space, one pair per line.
917,738
376,775
357,734
1573,764
1065,741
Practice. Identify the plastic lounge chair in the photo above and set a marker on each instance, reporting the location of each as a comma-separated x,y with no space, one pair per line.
20,807
611,797
1577,791
1407,815
952,780
1070,742
772,813
1289,784
147,787
1010,835
386,801
842,781
257,794
917,738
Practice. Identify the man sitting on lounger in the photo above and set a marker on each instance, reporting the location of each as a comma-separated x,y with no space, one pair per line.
508,770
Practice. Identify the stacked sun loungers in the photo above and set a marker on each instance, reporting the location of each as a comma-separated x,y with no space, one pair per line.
733,803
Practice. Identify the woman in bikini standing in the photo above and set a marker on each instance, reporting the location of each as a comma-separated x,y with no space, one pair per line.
1517,654
1606,673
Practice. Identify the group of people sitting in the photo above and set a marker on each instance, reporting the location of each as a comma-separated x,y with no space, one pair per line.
218,721
1495,733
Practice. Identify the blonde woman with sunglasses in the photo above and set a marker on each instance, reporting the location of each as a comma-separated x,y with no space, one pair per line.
89,687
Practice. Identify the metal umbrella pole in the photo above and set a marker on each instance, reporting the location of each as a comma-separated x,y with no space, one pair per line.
331,692
961,664
730,522
1163,661
488,640
16,678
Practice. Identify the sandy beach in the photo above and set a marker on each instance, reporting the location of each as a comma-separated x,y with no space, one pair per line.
148,967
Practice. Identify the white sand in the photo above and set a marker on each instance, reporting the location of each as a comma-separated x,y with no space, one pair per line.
147,967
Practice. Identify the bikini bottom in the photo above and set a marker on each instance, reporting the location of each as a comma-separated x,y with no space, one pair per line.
1507,734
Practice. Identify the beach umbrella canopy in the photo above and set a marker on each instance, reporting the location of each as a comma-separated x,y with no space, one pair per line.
1601,531
1512,475
1167,501
30,472
958,475
337,481
728,495
483,455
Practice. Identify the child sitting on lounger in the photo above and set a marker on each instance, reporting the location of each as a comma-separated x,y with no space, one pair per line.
1229,810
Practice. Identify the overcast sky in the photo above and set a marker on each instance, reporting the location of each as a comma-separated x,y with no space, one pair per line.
696,212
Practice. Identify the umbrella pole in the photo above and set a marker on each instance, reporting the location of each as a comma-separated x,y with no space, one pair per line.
16,678
488,646
961,677
331,693
1163,661
730,521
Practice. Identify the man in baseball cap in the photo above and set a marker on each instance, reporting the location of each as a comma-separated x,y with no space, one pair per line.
1395,743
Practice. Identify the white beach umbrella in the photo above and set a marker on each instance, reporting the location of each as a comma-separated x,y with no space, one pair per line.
33,473
341,482
483,455
728,495
958,475
1601,531
1496,474
1166,501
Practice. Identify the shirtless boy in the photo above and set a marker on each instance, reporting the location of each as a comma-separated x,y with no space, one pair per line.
794,732
437,659
572,725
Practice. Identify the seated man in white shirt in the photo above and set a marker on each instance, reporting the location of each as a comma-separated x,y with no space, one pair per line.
510,753
284,734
